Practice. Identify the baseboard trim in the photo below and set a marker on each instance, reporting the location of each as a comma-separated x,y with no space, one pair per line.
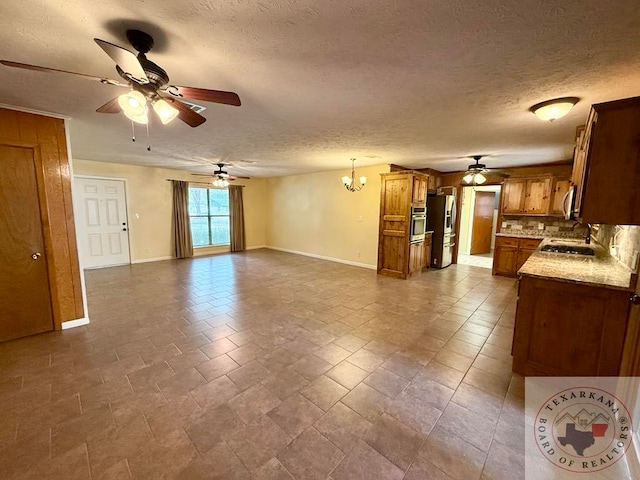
256,247
147,260
75,323
322,257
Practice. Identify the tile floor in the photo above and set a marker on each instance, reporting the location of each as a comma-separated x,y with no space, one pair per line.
484,260
269,365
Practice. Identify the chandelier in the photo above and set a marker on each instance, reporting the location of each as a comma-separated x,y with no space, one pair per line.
352,183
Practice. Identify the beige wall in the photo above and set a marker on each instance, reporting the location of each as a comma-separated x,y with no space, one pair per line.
315,214
149,206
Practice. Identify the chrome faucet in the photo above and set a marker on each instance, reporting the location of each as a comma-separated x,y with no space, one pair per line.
588,239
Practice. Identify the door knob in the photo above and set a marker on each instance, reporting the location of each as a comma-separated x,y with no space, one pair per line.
36,255
635,299
124,229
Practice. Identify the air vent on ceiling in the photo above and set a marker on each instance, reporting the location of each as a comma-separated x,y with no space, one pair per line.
194,107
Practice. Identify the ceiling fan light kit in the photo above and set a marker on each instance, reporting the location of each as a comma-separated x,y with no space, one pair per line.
165,111
551,110
134,106
352,183
476,173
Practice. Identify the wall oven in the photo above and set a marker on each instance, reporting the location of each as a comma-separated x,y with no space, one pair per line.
418,225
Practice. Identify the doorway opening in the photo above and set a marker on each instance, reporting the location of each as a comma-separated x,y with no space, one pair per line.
478,221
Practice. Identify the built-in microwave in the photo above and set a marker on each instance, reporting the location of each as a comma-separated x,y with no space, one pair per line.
418,225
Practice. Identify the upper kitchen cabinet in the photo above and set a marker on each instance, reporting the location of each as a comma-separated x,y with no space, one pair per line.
513,196
526,196
559,192
537,196
419,191
606,170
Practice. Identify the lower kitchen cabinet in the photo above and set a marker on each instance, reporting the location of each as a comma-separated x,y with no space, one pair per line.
428,240
416,257
566,329
510,253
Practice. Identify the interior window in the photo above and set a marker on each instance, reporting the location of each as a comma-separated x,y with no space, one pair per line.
209,216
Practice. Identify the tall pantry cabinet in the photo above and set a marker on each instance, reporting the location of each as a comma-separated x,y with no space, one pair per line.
397,257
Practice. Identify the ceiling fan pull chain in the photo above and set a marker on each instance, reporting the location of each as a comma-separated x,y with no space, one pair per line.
133,132
148,141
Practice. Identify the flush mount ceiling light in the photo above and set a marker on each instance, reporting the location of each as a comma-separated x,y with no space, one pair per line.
352,183
553,109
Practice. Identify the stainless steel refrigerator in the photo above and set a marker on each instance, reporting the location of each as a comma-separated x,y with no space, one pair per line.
441,219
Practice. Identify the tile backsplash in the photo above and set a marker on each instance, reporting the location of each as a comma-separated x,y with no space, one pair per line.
622,242
546,226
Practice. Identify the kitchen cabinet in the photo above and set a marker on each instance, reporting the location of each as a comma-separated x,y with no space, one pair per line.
400,191
526,196
606,169
419,193
432,183
559,191
537,196
511,253
513,192
428,241
567,329
416,257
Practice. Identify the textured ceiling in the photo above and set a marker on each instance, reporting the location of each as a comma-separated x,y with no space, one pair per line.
420,83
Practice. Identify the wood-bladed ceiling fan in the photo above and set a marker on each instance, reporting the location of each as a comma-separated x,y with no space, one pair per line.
476,172
148,84
221,174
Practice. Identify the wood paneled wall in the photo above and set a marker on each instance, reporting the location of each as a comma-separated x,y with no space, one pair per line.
46,135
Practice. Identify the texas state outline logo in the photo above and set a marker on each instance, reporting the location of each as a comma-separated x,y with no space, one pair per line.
583,429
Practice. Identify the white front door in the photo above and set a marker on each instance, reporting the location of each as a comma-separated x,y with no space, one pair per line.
101,211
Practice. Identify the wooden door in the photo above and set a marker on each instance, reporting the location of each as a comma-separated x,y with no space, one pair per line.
482,229
102,221
559,191
536,198
25,298
513,196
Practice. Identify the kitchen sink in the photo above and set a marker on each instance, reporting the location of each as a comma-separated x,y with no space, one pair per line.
570,249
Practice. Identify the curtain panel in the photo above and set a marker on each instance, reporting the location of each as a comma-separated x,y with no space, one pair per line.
236,218
183,246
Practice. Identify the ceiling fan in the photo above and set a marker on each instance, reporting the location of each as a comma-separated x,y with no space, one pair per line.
148,83
221,177
476,172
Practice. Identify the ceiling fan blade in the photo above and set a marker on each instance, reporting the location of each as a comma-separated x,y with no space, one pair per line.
187,115
110,107
125,59
203,174
235,177
215,96
26,66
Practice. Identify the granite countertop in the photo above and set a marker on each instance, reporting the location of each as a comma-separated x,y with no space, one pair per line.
600,270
